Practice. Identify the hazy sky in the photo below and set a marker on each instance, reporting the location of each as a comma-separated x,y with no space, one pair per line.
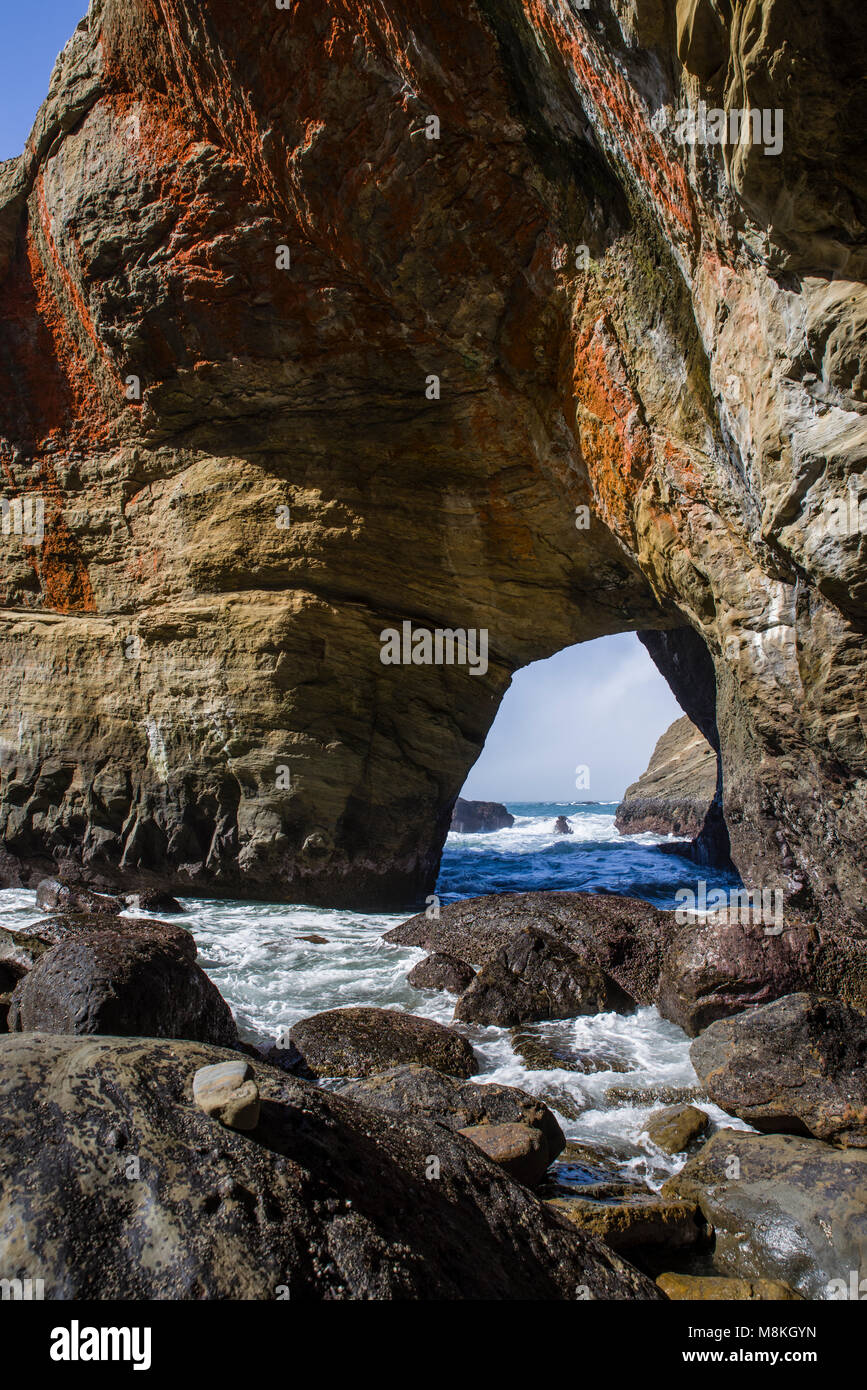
31,36
602,705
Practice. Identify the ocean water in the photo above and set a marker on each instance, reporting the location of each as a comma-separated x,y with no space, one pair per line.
257,955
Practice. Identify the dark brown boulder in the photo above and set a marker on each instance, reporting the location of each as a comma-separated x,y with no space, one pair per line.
480,817
519,1150
535,977
441,971
326,1200
129,983
797,1066
423,1092
359,1042
54,896
626,938
27,945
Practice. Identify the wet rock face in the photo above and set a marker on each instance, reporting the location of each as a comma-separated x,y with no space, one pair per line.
325,1199
782,1208
247,472
798,1066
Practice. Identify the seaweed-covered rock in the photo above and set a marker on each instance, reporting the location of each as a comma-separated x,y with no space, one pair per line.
361,1041
636,1220
441,971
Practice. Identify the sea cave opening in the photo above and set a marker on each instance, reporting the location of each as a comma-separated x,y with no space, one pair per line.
592,778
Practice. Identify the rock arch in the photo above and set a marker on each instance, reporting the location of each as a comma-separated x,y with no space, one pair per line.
655,331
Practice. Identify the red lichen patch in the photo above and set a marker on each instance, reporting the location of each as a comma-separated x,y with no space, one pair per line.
46,386
614,439
623,118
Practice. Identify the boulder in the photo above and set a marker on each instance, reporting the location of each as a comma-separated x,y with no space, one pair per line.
54,896
228,1091
626,938
714,970
798,1065
10,973
423,1092
708,1287
480,817
639,1220
361,1041
516,1148
125,982
441,971
153,900
677,1127
535,977
325,1200
29,944
782,1208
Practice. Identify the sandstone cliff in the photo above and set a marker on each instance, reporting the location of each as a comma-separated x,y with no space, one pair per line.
673,795
235,256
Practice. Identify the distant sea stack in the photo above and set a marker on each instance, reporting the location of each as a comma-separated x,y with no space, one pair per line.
674,794
480,817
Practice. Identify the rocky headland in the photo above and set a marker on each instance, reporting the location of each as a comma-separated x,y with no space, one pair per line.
674,794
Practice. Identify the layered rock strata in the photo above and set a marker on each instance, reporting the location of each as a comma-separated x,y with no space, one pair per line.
344,320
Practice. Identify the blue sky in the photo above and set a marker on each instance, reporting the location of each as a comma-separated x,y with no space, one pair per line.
602,704
31,36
